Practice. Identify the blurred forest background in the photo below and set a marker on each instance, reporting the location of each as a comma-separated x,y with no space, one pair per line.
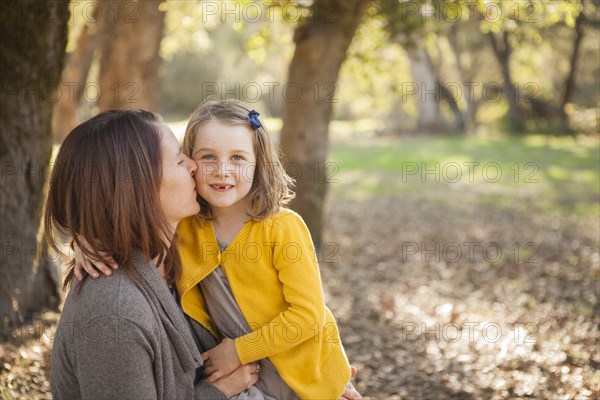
446,155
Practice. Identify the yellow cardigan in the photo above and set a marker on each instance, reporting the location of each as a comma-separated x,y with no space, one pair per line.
274,276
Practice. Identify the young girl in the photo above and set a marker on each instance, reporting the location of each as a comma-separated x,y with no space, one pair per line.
251,274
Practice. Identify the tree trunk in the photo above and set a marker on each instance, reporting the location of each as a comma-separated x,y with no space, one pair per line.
460,118
130,57
321,45
503,51
468,115
570,81
34,36
428,95
74,78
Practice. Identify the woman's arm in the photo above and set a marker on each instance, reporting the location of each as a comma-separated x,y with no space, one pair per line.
113,359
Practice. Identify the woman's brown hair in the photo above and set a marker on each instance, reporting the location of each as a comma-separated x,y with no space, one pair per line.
271,188
105,188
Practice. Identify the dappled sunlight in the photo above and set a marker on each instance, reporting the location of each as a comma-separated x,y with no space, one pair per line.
493,328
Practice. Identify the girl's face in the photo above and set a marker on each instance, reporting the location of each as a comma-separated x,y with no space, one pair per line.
226,163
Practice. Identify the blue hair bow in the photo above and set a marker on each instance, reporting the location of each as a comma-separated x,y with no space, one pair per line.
253,119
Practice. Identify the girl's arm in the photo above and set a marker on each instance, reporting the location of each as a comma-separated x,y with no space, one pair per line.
295,260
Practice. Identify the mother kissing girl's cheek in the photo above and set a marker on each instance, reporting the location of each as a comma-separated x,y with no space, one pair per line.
121,181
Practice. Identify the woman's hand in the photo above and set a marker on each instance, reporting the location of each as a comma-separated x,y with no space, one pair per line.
239,380
351,393
82,263
221,360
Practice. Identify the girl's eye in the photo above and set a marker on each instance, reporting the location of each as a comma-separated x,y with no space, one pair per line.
180,162
207,157
237,158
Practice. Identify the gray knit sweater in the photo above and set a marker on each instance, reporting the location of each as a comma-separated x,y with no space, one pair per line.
117,339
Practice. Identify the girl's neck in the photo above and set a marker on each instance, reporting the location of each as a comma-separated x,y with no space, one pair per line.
228,223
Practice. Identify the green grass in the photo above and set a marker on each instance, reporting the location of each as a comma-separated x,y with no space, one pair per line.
558,173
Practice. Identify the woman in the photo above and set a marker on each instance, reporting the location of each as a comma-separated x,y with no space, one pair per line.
121,179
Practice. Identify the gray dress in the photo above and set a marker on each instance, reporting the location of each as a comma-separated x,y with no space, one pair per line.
231,323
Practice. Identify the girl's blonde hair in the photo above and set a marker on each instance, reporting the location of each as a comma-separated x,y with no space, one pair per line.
271,188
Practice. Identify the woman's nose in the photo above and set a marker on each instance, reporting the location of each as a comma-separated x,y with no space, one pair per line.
192,166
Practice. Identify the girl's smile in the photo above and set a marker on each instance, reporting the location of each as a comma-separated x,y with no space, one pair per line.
221,187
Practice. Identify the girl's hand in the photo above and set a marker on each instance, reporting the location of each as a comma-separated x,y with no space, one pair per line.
221,360
82,263
239,380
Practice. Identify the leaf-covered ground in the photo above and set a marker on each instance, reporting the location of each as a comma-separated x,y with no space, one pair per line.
434,329
443,288
469,288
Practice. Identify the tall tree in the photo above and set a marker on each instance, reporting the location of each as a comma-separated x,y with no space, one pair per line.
430,118
93,33
410,25
468,58
34,37
518,23
130,56
321,46
503,50
570,80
